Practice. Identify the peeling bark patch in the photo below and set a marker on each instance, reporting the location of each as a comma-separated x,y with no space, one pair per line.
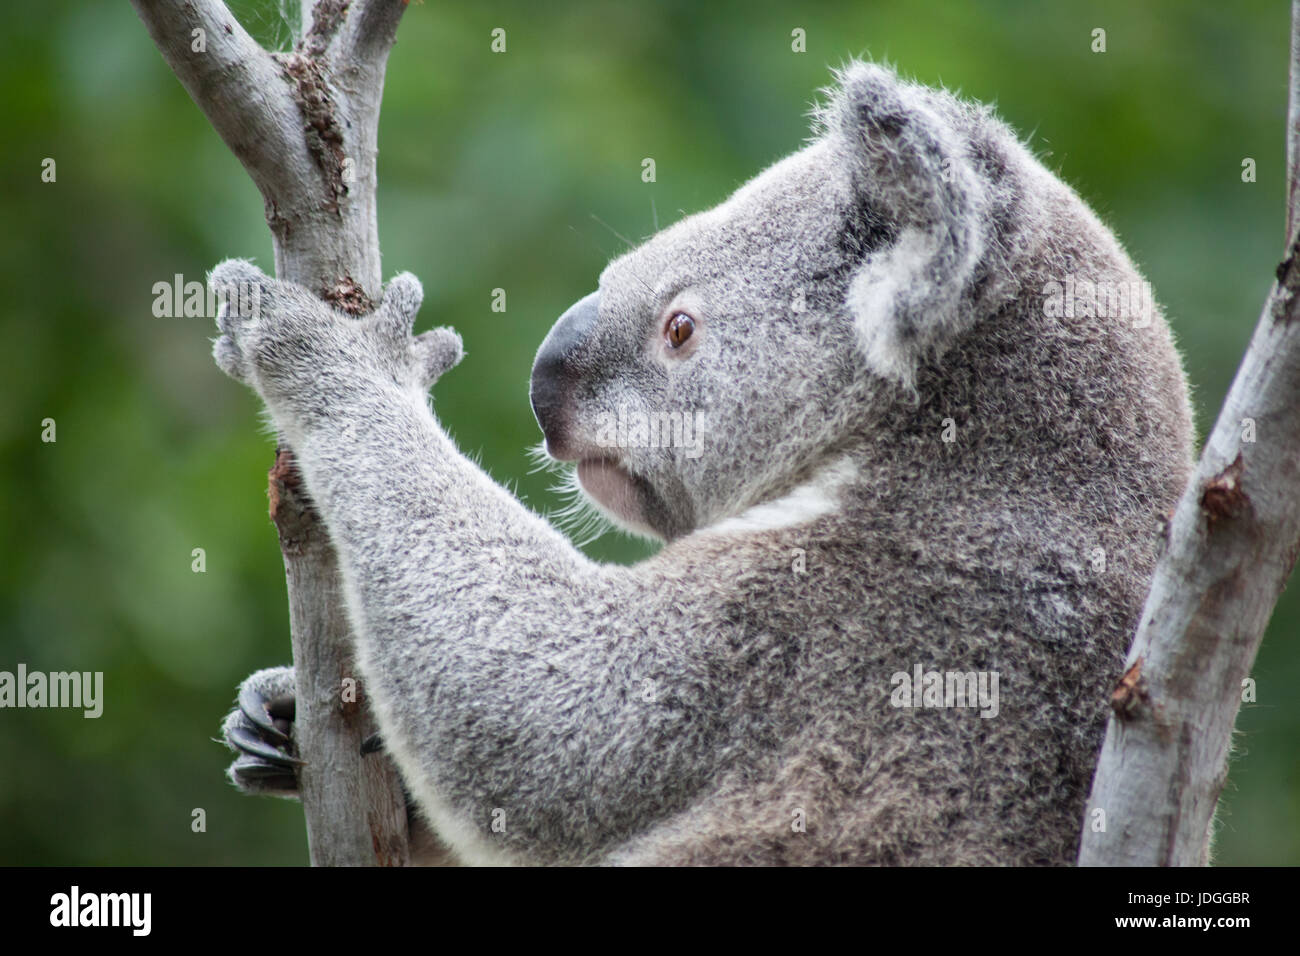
1130,694
291,510
1223,496
321,128
349,297
326,18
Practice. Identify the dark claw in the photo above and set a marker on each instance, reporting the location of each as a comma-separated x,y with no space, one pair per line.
255,774
372,744
272,716
254,746
260,731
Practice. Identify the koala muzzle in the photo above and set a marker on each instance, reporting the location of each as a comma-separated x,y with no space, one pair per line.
558,368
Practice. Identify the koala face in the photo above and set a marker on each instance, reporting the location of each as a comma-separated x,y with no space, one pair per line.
732,355
699,363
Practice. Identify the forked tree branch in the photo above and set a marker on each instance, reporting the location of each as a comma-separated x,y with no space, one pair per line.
1232,544
305,124
239,87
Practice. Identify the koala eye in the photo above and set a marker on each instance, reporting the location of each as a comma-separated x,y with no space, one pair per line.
679,329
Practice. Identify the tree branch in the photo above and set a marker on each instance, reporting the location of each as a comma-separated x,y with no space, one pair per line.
368,35
237,85
305,126
1232,544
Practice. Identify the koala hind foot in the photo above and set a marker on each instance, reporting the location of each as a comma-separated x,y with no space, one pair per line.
260,731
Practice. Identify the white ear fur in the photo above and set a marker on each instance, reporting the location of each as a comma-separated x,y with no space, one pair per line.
910,164
876,296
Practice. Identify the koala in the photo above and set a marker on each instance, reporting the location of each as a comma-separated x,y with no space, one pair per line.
898,409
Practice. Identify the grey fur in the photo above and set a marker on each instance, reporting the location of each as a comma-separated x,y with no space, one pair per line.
693,708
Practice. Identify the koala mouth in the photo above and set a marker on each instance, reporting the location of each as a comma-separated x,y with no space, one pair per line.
614,490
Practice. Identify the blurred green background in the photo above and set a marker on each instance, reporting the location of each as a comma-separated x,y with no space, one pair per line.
517,171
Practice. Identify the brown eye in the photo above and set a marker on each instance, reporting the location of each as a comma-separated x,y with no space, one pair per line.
680,327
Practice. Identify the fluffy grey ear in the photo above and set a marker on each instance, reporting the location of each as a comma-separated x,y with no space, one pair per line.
909,168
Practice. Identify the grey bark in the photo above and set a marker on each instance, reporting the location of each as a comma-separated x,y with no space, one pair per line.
305,125
1232,544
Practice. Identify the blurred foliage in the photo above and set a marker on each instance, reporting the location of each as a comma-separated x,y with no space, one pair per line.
522,171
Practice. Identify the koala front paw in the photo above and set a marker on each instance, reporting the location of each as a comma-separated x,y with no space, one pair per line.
283,341
260,731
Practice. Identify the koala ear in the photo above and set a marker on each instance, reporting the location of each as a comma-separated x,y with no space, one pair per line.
909,166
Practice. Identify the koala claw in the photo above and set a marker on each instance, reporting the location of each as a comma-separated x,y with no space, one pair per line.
268,713
260,731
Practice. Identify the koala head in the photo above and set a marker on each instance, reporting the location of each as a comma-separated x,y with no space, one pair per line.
735,354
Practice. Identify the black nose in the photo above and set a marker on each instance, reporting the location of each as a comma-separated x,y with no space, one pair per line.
558,365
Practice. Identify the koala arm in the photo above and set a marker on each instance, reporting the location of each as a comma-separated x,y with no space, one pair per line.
507,669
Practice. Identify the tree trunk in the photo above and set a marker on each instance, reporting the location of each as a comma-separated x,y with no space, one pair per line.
304,124
1232,544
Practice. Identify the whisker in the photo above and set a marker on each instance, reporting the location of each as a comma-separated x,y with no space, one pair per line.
645,285
615,232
